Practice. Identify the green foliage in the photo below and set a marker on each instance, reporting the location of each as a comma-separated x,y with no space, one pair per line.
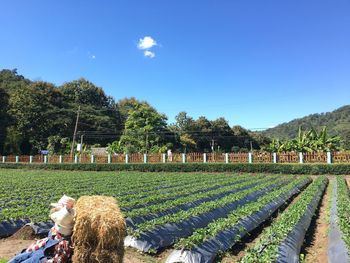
186,197
21,196
203,135
308,141
4,117
143,130
31,112
337,123
266,248
201,208
343,209
312,169
58,145
212,229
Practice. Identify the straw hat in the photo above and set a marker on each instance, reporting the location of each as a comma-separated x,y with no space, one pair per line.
64,201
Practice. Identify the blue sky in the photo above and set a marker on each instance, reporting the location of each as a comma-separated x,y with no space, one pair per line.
256,63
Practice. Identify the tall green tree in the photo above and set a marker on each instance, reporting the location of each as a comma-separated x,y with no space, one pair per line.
182,131
35,110
125,105
144,130
222,134
4,117
99,120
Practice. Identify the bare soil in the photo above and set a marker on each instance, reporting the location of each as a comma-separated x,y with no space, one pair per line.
315,246
12,245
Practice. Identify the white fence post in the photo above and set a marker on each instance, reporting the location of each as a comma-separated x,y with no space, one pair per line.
45,158
4,159
164,158
204,157
145,158
250,157
17,159
183,157
301,158
109,158
75,158
226,157
30,159
60,159
274,157
92,158
126,158
329,157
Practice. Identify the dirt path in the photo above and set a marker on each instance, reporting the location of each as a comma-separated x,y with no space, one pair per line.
9,247
316,241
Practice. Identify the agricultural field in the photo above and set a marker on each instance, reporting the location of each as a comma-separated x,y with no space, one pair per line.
198,217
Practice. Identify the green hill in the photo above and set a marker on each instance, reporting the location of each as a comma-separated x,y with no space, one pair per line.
337,123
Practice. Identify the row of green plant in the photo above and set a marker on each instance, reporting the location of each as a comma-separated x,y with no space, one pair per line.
307,141
202,208
194,167
28,194
126,197
343,209
186,189
128,184
191,198
222,224
266,249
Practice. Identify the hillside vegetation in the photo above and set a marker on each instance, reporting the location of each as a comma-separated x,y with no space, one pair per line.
337,123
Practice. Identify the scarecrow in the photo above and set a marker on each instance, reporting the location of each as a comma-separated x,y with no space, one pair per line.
93,228
56,247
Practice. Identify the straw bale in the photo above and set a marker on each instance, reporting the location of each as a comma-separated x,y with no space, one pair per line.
99,230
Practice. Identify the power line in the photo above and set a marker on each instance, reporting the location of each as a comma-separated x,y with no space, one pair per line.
75,132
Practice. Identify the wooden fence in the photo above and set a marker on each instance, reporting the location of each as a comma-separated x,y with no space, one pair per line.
255,157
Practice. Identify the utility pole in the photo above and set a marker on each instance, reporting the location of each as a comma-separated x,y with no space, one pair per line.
75,133
81,140
212,145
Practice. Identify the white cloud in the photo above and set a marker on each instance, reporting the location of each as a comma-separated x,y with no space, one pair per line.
146,43
149,54
93,56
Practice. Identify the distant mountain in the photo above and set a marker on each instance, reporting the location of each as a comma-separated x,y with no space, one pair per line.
337,123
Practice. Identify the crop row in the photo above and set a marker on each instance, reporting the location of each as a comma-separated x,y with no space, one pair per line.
24,196
183,189
120,184
231,188
285,236
200,235
202,208
343,210
220,235
27,194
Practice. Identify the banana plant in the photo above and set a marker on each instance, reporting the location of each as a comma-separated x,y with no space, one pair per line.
325,143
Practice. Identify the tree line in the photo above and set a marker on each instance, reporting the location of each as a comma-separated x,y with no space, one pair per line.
337,123
38,115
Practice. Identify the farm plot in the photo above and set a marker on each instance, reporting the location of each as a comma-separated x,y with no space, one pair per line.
198,216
